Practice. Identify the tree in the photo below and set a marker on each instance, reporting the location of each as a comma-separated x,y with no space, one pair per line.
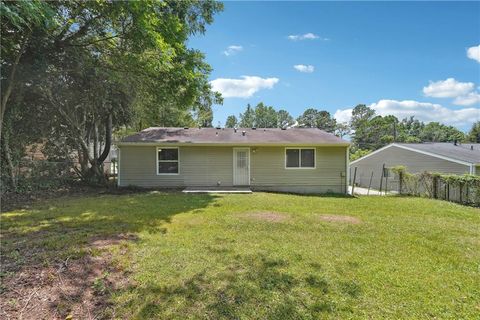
325,121
372,132
359,123
19,19
247,119
437,132
262,116
361,114
231,122
409,130
312,118
105,65
474,133
284,119
308,119
265,116
342,129
358,153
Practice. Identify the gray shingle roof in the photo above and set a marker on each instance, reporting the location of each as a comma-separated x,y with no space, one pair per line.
462,152
229,136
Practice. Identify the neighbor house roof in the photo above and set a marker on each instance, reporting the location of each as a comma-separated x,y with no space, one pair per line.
466,153
229,136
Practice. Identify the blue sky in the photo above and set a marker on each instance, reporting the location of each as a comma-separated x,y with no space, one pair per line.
409,58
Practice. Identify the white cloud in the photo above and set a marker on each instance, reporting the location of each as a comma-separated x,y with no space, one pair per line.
242,88
468,100
463,92
449,88
343,115
423,111
306,36
304,68
474,53
231,50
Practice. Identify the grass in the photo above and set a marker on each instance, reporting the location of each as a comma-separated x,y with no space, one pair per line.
215,257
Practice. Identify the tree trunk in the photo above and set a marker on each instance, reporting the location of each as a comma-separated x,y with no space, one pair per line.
83,162
108,139
10,83
95,141
8,158
96,169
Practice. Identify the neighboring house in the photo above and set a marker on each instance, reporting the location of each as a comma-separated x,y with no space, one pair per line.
292,160
417,157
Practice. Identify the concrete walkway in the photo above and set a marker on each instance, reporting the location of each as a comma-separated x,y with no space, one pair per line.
364,191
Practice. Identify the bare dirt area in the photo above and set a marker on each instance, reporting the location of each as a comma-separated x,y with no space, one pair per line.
339,218
266,216
71,289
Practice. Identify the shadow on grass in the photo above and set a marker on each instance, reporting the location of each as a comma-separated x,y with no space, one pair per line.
67,223
59,242
252,286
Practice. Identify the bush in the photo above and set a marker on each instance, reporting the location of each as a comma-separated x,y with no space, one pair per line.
357,154
466,188
35,175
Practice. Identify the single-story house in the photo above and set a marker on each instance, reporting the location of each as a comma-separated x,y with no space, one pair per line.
449,158
297,160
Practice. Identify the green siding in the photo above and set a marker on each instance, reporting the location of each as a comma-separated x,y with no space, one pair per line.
137,166
268,171
199,166
213,166
207,166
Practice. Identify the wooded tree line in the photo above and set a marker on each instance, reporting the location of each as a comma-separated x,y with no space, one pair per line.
368,131
73,72
262,116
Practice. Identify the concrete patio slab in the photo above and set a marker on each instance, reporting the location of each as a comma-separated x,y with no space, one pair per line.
217,190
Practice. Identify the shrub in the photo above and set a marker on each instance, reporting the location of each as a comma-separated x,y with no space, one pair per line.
432,184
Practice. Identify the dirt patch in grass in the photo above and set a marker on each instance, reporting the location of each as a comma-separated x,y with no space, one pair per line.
339,218
105,242
269,216
74,288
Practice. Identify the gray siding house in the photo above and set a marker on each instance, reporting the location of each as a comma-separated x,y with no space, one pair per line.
417,157
298,160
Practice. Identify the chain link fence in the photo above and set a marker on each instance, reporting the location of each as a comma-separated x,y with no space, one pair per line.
464,189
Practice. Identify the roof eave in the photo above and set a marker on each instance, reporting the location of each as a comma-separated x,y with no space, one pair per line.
227,144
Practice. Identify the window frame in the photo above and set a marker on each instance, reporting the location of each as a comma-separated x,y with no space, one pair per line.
300,158
158,161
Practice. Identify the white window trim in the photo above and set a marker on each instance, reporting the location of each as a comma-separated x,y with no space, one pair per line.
178,161
300,158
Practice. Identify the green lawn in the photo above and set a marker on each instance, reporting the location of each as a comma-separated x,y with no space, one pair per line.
262,256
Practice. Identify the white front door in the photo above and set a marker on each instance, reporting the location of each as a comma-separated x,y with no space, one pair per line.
241,166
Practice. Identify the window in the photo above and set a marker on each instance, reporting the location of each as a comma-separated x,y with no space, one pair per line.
300,158
167,161
293,157
241,159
